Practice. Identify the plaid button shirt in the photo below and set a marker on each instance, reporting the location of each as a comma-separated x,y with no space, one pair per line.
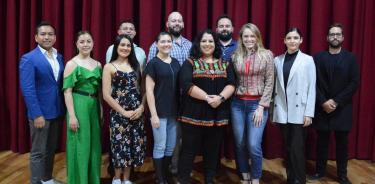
179,51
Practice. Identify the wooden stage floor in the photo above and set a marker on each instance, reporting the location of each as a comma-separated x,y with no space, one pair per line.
14,170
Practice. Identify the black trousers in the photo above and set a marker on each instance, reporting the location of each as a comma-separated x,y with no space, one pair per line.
294,136
194,139
341,151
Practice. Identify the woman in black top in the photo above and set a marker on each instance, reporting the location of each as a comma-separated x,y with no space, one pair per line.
206,83
162,95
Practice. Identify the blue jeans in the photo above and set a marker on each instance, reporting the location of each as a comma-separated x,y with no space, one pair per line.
164,137
248,138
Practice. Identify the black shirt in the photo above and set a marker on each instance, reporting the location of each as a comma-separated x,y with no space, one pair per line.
288,63
165,76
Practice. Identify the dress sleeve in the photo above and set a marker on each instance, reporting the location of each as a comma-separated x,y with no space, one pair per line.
186,76
70,80
231,77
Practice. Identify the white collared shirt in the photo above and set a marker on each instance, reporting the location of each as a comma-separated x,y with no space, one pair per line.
52,61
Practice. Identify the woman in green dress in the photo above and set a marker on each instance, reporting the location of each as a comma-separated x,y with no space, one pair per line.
82,84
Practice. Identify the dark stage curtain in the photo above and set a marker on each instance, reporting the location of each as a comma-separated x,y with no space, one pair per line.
19,18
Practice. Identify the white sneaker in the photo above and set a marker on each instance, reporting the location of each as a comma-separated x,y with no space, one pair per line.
127,182
48,182
57,182
52,181
116,181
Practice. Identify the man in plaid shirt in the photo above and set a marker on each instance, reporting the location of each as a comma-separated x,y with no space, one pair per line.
180,46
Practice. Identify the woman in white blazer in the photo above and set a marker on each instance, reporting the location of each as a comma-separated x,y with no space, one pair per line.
294,102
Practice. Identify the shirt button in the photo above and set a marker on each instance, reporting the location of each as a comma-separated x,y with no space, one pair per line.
296,93
296,105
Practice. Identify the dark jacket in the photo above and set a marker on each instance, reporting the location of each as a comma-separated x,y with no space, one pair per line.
339,81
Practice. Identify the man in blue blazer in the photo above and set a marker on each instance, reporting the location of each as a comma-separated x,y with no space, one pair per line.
41,82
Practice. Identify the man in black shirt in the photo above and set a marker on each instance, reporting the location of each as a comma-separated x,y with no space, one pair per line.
337,81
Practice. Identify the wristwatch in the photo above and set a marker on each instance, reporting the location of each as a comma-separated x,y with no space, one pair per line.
222,98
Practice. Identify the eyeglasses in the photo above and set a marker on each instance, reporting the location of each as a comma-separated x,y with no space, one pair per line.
335,34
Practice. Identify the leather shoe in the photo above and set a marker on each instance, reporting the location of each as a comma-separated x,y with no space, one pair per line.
295,181
316,176
344,180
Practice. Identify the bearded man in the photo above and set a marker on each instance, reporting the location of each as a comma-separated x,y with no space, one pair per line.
180,45
337,81
224,30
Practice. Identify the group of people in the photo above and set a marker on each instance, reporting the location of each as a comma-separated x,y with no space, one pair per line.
193,91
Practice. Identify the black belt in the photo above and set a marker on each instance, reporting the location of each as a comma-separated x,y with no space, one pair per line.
84,93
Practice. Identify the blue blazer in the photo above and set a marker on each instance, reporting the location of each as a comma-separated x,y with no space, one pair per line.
42,93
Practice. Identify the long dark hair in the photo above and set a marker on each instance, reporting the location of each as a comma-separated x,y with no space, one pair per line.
132,59
195,51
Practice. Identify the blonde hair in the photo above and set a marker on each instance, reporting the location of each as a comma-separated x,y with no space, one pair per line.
241,52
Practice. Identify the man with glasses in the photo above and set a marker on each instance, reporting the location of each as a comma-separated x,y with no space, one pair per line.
337,81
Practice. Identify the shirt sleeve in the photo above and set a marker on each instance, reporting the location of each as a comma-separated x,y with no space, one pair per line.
152,52
150,70
108,54
231,79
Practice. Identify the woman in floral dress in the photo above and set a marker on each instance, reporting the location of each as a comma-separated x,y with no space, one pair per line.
122,92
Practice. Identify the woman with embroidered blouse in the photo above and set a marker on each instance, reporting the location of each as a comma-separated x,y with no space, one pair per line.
207,82
249,107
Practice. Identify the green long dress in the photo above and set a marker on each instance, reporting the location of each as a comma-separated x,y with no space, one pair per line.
83,148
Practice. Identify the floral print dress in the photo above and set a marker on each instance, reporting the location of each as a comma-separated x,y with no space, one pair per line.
128,138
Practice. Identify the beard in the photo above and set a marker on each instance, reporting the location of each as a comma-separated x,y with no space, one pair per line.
335,44
224,36
175,33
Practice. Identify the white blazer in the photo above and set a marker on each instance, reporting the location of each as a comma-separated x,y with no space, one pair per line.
300,90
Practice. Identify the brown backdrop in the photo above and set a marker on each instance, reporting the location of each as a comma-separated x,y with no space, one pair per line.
101,17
